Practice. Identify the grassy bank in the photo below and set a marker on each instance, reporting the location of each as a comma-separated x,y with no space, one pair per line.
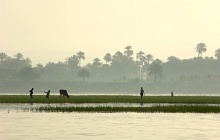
153,109
110,99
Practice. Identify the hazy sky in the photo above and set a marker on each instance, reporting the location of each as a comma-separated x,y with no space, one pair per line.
52,30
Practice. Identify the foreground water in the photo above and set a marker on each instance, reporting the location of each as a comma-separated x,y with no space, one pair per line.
18,125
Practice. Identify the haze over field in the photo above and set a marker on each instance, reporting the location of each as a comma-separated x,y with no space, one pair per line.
52,30
110,46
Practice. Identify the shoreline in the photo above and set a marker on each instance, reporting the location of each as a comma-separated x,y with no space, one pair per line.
160,104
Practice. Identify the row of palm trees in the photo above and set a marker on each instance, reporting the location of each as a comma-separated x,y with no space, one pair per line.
140,56
120,64
201,48
143,61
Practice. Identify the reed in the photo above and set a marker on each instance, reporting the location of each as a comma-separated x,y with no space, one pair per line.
110,99
153,109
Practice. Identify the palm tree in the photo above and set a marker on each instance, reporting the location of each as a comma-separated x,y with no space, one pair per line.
80,55
149,58
141,58
107,58
72,62
128,61
173,59
118,57
155,70
19,56
158,61
217,54
96,62
83,73
3,56
28,61
39,66
128,52
200,48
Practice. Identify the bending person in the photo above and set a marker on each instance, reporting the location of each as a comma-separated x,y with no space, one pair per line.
47,94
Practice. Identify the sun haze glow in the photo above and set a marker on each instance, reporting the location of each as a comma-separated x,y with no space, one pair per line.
52,30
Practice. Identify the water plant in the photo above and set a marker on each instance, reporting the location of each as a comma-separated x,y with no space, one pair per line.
152,109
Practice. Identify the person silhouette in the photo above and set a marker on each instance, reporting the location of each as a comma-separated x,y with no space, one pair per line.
31,93
48,94
172,94
142,92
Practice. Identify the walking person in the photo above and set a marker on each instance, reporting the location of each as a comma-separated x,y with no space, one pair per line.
31,93
47,94
142,92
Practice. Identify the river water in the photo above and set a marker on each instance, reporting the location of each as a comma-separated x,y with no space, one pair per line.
16,124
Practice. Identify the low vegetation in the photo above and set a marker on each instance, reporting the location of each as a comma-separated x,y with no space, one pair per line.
178,104
110,99
153,109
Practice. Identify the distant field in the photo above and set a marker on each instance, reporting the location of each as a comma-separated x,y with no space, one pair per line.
110,99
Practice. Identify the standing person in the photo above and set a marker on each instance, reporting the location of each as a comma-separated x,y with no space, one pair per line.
142,92
48,93
31,93
172,94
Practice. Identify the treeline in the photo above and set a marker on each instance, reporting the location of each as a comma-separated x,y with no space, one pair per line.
118,67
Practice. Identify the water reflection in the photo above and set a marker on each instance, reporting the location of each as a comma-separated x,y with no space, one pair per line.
141,104
99,126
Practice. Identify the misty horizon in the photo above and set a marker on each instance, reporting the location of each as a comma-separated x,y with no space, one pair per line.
51,31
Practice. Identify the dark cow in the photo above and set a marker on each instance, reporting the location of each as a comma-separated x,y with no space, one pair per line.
64,93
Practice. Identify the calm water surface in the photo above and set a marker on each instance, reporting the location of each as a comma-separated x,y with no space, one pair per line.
18,125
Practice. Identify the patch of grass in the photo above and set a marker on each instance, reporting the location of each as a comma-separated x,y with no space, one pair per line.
153,109
110,99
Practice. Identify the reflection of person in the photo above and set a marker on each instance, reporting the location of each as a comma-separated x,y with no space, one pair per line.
48,93
141,92
31,93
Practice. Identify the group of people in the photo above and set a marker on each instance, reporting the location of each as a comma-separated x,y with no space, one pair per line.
32,91
48,93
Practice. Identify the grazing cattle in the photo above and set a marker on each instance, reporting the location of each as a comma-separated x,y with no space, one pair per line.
64,93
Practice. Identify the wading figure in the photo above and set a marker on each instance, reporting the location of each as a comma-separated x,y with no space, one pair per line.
48,94
31,93
64,93
142,92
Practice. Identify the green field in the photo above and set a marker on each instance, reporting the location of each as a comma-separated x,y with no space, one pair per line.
110,99
192,104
